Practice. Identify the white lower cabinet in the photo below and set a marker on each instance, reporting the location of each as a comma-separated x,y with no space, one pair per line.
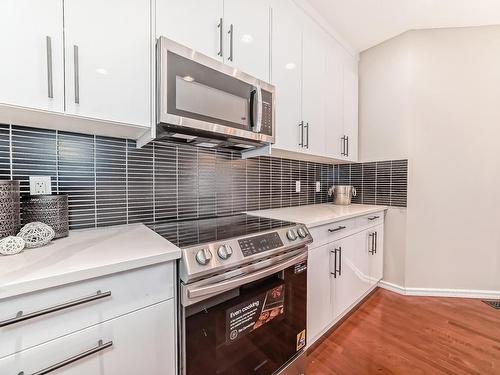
341,272
137,343
319,306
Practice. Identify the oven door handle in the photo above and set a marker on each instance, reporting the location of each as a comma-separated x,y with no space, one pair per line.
236,282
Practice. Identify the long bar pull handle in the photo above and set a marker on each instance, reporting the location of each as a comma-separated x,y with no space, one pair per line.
347,146
307,135
340,260
76,68
22,317
301,126
375,242
231,39
100,347
220,26
343,151
372,243
50,82
336,229
334,273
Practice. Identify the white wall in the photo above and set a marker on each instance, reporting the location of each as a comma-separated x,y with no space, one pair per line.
434,96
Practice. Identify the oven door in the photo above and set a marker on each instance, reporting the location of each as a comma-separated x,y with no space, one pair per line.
199,93
254,328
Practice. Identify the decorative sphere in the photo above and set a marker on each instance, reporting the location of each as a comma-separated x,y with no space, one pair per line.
36,234
11,245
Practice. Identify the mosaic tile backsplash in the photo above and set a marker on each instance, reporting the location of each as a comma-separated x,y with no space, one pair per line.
109,181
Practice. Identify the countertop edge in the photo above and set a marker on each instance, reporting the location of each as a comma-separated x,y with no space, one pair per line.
31,286
344,217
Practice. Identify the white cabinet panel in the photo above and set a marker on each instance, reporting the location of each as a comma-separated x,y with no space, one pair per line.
108,60
313,87
319,308
286,73
351,113
143,343
193,23
247,25
26,70
376,254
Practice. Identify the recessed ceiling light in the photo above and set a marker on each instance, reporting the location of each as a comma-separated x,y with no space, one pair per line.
188,78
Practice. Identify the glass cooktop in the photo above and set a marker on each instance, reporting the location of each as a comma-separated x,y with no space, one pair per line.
194,232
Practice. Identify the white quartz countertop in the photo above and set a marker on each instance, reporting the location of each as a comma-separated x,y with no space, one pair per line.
318,214
84,254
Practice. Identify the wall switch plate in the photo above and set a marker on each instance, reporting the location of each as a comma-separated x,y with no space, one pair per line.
318,186
297,186
40,185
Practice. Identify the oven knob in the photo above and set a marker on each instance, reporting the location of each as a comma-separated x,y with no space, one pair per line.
302,232
203,256
291,234
224,251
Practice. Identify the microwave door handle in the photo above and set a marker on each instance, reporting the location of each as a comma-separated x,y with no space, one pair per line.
258,126
256,110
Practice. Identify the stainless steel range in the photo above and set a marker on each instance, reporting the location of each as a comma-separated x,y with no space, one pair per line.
243,290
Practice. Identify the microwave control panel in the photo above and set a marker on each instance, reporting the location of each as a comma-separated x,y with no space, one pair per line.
267,113
258,244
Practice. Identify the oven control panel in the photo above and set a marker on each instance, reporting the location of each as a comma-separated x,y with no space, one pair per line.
258,244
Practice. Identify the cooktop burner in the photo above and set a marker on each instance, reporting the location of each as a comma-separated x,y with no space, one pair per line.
195,232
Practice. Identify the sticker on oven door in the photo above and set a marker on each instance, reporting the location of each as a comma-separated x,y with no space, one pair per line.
301,267
301,339
253,314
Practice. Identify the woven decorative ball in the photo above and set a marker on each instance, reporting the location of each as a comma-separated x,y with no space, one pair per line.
36,234
11,245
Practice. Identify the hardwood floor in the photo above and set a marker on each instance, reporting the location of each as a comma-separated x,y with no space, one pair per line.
394,334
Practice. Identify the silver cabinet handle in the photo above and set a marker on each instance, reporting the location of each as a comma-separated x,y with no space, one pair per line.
307,135
20,317
336,229
231,33
301,126
334,273
375,242
340,260
220,26
373,218
342,151
347,146
50,83
76,68
100,347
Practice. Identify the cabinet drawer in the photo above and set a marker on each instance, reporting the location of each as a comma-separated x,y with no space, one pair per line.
62,310
330,232
371,220
142,342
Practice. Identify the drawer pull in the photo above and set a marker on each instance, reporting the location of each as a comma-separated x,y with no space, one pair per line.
100,346
22,317
336,229
373,218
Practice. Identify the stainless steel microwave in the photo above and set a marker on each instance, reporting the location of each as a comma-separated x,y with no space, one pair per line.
206,102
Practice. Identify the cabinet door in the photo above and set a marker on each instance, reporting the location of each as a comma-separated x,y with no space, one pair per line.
313,87
334,97
353,276
286,73
31,41
319,308
143,342
376,253
351,112
194,23
108,60
247,25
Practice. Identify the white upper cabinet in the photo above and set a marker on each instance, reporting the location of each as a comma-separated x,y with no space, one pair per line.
287,73
31,41
350,114
108,60
313,87
194,23
247,25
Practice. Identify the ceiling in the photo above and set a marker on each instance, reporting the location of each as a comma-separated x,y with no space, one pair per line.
365,23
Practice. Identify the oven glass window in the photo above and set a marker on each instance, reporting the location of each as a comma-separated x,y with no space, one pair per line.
255,329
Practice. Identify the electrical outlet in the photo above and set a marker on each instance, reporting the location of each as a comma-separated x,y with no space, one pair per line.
40,185
297,186
318,186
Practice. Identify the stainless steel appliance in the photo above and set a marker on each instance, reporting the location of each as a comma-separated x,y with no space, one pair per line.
342,194
243,292
206,102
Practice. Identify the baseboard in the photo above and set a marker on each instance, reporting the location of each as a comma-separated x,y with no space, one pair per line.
435,292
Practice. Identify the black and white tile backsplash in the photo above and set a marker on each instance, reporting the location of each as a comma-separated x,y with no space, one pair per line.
109,181
382,183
